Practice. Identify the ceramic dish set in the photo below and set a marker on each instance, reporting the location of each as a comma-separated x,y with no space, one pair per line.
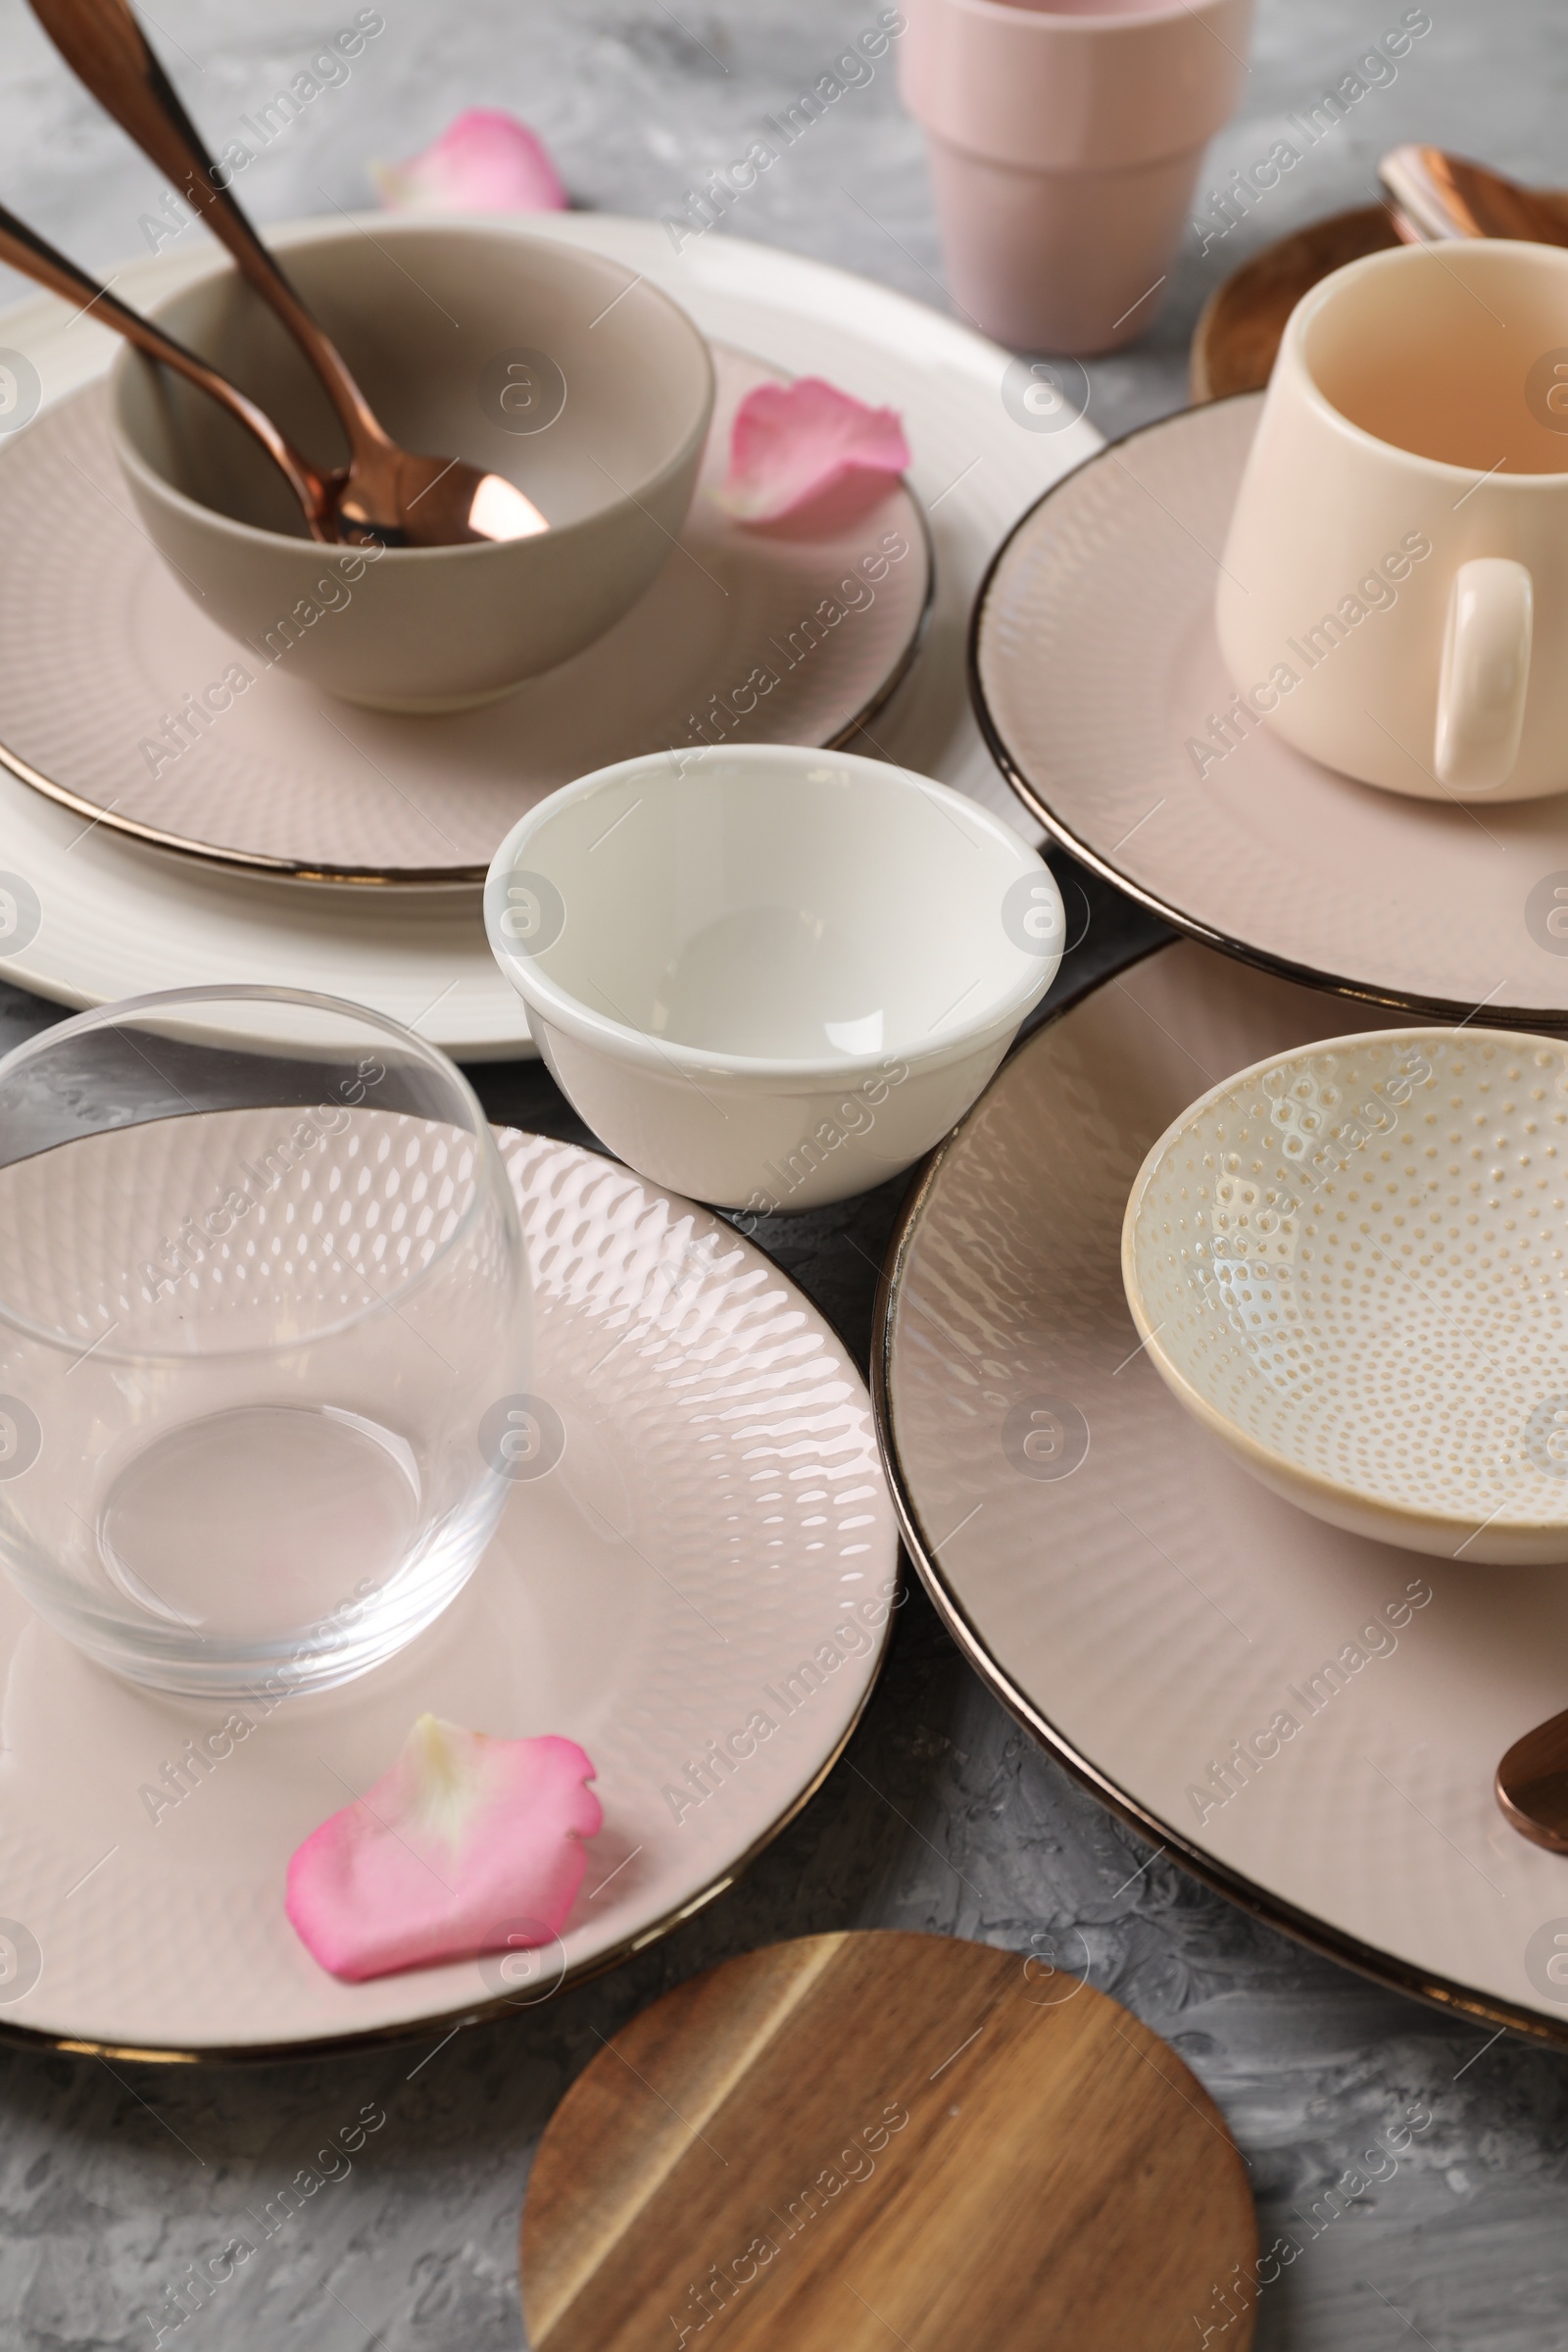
1310,1718
324,1406
1230,1318
159,868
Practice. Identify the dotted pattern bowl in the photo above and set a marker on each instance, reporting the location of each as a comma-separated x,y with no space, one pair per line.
1351,1263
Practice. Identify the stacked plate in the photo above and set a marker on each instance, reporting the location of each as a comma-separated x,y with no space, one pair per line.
320,846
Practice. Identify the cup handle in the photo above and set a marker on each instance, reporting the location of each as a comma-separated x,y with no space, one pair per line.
1486,672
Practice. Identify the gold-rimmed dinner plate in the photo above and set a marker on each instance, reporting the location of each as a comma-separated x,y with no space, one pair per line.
87,914
1101,686
693,1579
120,699
1308,1719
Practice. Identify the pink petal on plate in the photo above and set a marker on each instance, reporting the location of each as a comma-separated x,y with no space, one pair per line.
464,1837
791,442
485,162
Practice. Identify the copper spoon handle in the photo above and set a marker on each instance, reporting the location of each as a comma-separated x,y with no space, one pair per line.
1434,210
27,252
105,49
1445,196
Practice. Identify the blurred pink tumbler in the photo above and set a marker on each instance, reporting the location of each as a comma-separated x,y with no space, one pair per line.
1065,144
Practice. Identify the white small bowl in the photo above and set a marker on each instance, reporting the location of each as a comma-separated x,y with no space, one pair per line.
771,976
1350,1264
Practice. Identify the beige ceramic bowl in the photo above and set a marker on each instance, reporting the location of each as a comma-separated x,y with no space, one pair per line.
1346,1262
557,368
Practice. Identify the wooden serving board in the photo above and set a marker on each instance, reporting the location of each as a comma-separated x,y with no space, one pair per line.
854,2141
1239,329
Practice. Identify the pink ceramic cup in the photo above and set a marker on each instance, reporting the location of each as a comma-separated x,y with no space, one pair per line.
1066,145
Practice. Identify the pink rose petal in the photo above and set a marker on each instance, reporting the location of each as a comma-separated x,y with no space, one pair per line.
791,442
485,162
439,1861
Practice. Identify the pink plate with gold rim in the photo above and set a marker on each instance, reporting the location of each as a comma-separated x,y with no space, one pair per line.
121,700
1102,692
696,1584
1308,1719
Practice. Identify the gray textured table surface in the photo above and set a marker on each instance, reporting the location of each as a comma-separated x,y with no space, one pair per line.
112,2183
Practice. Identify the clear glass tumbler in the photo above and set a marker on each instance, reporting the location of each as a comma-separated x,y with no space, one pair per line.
260,1282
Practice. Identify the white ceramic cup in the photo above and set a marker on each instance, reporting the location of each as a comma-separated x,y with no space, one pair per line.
1065,145
768,976
1393,590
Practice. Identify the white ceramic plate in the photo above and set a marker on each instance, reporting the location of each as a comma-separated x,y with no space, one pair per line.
116,919
714,1543
1138,1600
1105,692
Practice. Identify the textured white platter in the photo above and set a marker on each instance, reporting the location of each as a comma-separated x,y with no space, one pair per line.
713,1543
116,919
1138,1600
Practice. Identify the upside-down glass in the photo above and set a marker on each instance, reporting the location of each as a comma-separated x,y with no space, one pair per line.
261,1282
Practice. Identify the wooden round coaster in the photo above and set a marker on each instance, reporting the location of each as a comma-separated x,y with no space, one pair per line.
860,2141
1239,329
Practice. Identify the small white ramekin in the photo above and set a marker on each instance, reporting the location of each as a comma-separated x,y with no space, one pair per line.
771,976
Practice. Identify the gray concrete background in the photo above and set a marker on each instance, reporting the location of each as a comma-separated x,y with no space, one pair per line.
943,1816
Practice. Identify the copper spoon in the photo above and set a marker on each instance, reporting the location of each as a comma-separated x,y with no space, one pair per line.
1437,196
1532,1785
27,252
387,494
